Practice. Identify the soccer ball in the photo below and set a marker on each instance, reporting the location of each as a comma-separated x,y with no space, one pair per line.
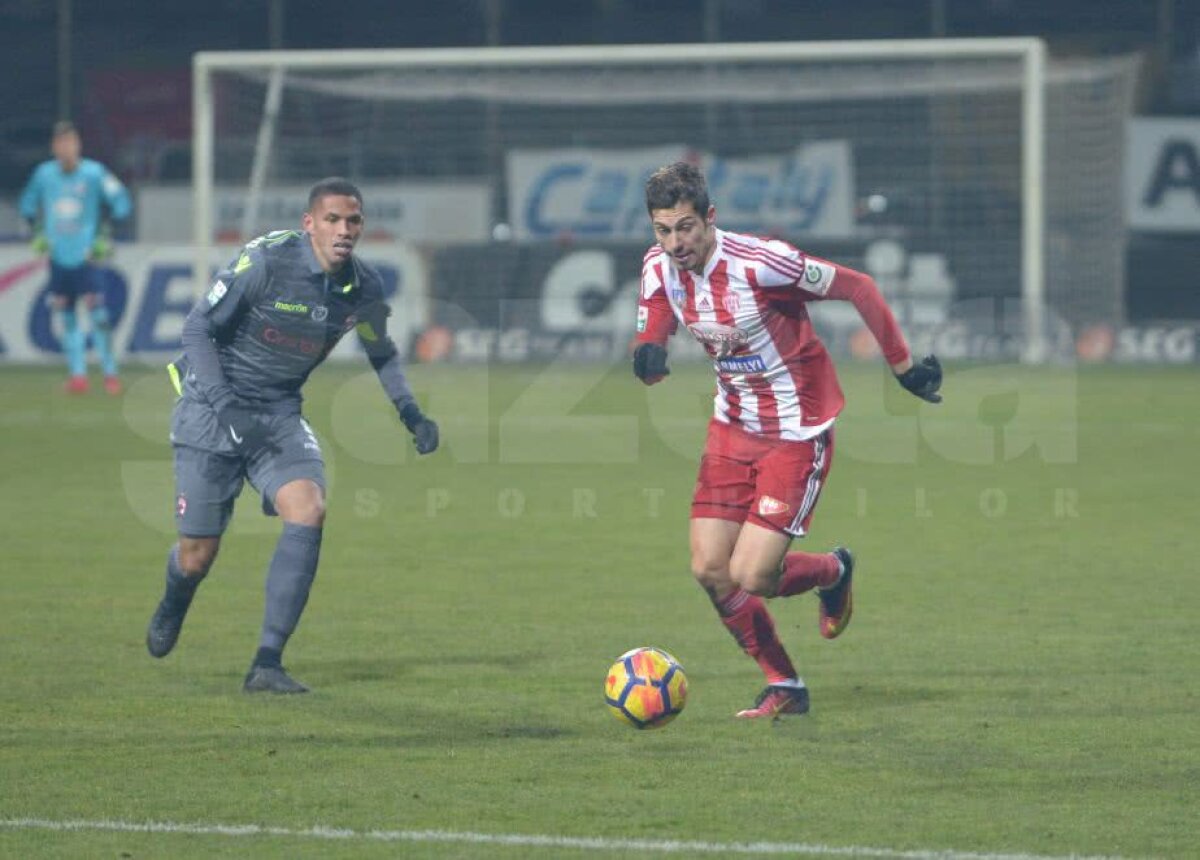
646,688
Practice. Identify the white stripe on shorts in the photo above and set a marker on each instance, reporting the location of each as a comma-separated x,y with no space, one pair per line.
813,488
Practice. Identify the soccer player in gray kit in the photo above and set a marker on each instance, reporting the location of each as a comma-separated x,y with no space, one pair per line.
249,344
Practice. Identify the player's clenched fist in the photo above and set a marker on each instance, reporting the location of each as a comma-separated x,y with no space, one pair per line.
650,363
923,379
423,429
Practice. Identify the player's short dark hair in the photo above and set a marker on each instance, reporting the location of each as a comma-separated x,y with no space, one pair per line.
333,186
63,126
670,185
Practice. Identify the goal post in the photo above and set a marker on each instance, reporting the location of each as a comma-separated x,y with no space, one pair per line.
939,145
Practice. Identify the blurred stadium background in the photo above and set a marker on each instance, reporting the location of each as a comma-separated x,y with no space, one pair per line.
1021,676
911,170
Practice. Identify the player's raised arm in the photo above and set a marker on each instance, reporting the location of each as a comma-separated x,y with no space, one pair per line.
389,367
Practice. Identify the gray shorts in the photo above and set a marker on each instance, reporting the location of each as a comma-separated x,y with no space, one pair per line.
207,481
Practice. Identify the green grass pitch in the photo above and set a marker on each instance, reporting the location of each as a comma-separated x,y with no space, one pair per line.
1021,677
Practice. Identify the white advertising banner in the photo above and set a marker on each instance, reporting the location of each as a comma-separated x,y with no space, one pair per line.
598,194
1162,175
409,212
149,290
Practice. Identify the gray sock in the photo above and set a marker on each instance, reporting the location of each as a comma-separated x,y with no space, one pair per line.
289,578
180,587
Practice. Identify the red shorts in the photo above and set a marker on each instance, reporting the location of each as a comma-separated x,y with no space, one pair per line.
773,483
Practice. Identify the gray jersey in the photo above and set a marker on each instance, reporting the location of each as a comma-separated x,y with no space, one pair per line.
272,316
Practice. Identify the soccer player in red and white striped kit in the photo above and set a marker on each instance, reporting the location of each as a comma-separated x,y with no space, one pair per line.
770,440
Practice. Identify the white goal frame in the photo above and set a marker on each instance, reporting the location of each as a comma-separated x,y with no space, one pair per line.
1030,52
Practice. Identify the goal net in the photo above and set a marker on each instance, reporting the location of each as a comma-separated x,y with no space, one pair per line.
978,183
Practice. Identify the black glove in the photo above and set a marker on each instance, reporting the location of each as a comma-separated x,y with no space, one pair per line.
650,362
424,430
923,379
246,431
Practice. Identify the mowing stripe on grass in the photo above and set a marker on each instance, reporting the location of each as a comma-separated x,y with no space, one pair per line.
582,843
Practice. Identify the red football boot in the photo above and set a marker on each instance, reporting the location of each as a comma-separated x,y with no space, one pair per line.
76,385
777,701
837,601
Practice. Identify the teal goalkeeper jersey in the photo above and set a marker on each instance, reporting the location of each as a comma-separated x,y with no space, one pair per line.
70,206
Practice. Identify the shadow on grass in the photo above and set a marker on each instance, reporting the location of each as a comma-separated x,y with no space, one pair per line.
862,695
374,701
407,734
333,672
281,726
455,722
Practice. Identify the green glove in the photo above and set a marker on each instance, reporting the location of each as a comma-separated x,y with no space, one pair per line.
39,244
102,248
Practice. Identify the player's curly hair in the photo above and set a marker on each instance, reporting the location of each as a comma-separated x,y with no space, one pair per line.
674,183
333,186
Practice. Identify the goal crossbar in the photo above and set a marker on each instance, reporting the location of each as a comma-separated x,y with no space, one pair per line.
1029,52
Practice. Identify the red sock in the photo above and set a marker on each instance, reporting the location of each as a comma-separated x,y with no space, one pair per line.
804,571
746,617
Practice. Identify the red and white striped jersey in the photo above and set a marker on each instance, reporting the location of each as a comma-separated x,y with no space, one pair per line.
748,309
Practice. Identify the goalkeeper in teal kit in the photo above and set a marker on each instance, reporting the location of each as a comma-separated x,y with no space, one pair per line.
65,204
249,344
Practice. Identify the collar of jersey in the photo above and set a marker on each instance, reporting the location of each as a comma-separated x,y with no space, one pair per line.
78,171
315,268
711,263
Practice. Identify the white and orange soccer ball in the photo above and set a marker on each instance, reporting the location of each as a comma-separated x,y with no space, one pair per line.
646,688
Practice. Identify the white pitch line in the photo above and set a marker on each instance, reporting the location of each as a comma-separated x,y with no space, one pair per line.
596,843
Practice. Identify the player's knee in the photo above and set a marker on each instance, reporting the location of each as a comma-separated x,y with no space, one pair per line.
99,316
710,570
301,502
314,515
196,556
309,511
753,578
